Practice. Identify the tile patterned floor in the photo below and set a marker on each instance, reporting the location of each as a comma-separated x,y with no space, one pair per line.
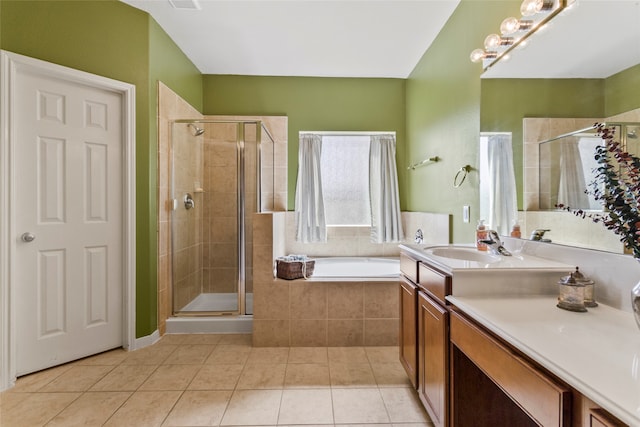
211,380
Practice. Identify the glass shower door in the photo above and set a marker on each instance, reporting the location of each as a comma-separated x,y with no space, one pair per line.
216,180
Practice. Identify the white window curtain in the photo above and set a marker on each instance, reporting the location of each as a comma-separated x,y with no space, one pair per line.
310,216
503,208
386,225
572,183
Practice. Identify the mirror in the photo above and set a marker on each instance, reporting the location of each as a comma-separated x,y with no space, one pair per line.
566,165
589,39
594,39
565,168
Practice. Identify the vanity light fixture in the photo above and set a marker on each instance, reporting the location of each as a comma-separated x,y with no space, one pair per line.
514,32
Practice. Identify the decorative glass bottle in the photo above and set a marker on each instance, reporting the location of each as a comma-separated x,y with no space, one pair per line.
571,294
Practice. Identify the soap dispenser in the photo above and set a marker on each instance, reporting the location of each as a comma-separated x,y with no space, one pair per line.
515,231
481,234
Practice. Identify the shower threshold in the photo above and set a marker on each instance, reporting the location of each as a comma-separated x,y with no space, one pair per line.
218,302
219,322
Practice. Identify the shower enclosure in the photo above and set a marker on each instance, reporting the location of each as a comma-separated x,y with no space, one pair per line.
221,174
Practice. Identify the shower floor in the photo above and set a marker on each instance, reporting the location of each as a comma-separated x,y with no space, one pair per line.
218,302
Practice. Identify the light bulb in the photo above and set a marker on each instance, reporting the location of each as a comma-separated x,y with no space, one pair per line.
512,25
531,7
492,41
477,55
509,26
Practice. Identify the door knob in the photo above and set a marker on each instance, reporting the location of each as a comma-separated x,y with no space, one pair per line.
28,237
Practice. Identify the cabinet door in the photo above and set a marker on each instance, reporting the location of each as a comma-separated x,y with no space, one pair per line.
409,329
433,357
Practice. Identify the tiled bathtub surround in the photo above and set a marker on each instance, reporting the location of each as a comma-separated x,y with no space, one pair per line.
356,241
302,313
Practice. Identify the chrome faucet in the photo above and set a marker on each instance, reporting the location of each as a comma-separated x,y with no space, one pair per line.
494,243
537,235
419,237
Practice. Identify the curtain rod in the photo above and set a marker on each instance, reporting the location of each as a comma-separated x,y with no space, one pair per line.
346,133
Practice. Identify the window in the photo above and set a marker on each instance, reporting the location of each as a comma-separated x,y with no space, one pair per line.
345,179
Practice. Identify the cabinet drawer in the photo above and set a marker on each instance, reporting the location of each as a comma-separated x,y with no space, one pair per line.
436,283
409,267
544,400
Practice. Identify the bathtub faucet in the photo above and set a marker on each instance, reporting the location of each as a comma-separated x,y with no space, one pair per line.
494,243
419,237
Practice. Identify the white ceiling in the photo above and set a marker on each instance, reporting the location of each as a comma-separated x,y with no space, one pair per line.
320,38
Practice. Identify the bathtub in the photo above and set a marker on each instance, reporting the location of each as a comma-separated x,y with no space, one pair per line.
356,268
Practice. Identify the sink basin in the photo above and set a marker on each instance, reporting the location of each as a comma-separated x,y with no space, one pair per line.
464,254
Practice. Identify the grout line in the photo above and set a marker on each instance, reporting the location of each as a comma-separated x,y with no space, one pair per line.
233,392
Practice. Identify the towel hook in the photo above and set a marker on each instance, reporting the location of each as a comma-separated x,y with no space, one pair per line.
457,180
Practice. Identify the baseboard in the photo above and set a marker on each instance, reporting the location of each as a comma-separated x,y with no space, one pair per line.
146,340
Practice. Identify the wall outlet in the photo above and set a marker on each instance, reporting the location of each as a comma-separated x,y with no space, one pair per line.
465,213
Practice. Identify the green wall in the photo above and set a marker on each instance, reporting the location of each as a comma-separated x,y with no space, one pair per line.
443,115
312,104
622,91
112,39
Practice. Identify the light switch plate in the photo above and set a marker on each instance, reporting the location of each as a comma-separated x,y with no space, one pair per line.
465,213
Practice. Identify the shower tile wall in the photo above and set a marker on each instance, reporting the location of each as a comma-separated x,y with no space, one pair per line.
170,107
187,237
220,205
274,159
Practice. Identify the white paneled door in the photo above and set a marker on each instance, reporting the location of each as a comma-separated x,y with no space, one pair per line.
68,206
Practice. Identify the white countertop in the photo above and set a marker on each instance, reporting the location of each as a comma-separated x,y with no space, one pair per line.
519,261
597,352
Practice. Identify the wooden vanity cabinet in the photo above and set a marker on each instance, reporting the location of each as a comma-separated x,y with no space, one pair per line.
408,337
494,384
539,399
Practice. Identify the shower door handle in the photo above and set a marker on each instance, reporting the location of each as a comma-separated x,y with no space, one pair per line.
189,203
